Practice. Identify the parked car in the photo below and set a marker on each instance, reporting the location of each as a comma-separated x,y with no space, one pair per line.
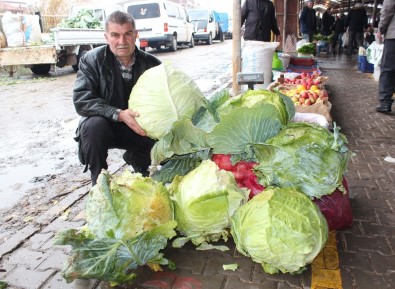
161,23
206,24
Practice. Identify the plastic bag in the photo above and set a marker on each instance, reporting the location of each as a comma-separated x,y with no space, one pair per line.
345,38
336,208
300,43
374,53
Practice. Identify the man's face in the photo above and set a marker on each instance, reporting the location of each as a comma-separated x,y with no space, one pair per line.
310,4
121,39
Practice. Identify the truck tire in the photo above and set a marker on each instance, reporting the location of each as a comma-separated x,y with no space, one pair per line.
209,41
192,42
41,69
173,45
80,54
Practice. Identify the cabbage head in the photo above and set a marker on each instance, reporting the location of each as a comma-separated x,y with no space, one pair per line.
283,104
205,199
305,156
280,228
163,95
127,205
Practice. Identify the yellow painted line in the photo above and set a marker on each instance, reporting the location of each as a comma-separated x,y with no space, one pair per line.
325,267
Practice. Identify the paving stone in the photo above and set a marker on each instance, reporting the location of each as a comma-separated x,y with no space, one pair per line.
25,278
378,230
383,264
244,271
233,282
58,282
28,258
360,259
368,280
17,239
54,261
36,241
362,243
59,225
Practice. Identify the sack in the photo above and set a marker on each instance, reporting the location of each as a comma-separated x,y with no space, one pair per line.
345,38
374,53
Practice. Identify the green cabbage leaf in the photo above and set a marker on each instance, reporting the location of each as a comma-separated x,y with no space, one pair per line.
130,218
305,156
163,95
280,228
205,199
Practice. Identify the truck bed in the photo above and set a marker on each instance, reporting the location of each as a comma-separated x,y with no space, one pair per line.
26,55
78,36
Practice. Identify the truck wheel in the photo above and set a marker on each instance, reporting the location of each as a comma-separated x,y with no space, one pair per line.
41,69
192,42
80,54
173,46
209,41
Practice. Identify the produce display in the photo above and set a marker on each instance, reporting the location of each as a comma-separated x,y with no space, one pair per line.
228,166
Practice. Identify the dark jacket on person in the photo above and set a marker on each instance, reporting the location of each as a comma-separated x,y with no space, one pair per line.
326,24
357,19
338,26
308,20
260,20
99,88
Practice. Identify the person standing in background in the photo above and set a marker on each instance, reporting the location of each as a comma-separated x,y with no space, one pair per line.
327,22
386,28
356,22
260,20
308,21
338,29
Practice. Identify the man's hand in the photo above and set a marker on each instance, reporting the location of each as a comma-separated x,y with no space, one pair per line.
128,116
379,37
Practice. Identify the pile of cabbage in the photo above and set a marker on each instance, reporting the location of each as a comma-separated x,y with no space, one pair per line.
192,197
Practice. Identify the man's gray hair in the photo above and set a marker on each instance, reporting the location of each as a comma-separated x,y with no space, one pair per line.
120,17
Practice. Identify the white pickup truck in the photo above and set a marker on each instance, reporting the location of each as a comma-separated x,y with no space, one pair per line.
68,46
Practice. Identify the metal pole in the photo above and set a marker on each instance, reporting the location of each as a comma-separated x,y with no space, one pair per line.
236,42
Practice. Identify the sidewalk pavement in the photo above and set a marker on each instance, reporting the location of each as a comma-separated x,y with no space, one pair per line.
363,255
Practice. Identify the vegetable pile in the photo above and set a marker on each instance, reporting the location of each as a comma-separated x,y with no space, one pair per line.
224,166
84,19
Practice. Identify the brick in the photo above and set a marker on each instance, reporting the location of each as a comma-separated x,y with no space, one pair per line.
22,277
378,230
58,282
54,261
195,261
368,280
233,282
359,259
362,243
383,264
36,241
244,271
17,239
60,225
28,258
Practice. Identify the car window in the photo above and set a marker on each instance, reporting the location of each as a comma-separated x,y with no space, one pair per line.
197,14
99,14
172,11
144,11
181,12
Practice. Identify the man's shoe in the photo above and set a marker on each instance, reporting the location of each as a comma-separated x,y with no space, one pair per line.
383,108
128,158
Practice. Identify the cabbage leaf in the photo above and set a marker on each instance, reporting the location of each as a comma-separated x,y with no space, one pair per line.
305,156
172,96
280,228
204,201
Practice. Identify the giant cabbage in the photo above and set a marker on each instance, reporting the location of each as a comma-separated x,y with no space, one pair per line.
127,205
305,156
205,200
163,95
283,104
129,220
280,228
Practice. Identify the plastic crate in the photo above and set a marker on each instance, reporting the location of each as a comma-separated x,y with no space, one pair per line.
364,66
302,61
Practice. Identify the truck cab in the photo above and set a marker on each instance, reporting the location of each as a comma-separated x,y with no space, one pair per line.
205,25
